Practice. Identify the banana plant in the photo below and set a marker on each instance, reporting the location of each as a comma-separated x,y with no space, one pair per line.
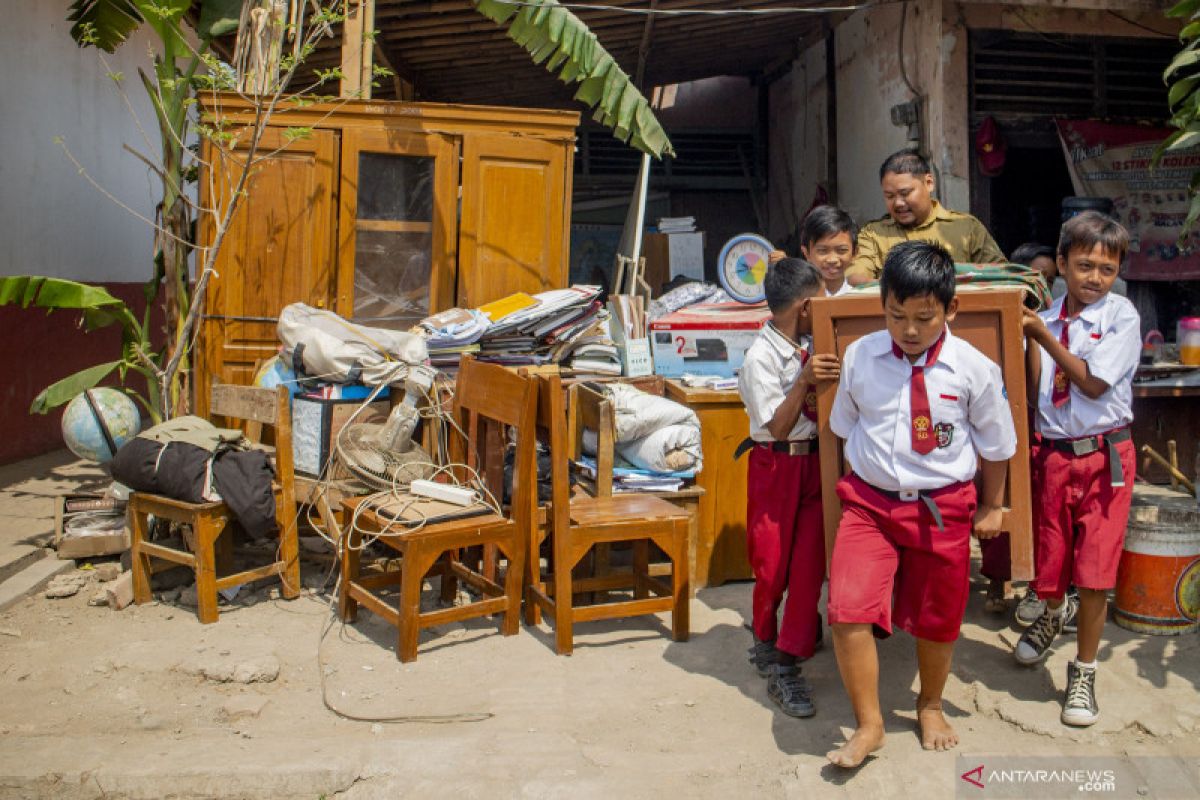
99,309
1182,76
553,35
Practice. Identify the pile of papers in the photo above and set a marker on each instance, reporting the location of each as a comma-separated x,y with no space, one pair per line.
451,333
676,224
629,479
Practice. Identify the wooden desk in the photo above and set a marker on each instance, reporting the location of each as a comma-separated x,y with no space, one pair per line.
1162,414
719,547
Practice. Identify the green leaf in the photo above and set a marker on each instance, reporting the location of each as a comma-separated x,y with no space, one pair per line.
99,308
218,17
553,35
1189,31
1188,56
63,391
1185,8
1180,90
103,23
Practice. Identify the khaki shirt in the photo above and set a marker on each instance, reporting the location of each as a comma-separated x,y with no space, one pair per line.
963,235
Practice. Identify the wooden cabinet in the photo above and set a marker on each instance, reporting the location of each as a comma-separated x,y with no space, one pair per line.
719,548
990,319
386,213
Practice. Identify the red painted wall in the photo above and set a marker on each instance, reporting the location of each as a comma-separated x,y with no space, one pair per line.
38,349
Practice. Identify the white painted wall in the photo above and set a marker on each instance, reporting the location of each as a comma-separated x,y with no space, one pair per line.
52,222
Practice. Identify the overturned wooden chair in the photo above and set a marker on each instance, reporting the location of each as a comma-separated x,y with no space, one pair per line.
488,399
212,547
577,524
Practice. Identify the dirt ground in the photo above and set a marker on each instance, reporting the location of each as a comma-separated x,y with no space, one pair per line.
147,703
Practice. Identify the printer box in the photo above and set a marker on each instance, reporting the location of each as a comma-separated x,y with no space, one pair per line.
706,339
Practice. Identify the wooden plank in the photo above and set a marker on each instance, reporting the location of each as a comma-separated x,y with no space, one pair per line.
388,612
482,608
358,48
393,225
379,580
265,571
475,579
625,608
244,403
168,554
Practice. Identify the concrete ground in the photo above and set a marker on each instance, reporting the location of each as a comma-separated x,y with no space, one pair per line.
147,703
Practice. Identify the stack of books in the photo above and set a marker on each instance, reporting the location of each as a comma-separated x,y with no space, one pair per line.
676,224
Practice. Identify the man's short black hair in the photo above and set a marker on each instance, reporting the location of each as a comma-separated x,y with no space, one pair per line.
915,269
904,162
825,221
1026,253
789,280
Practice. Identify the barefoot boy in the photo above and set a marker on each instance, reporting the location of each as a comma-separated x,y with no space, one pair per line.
1083,471
916,407
828,240
783,509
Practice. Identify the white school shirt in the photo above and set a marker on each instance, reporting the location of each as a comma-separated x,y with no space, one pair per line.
845,287
769,372
872,412
1107,335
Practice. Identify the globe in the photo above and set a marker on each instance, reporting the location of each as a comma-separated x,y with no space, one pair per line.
82,433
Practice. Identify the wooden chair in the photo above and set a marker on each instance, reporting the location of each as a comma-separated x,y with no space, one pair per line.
577,524
487,399
212,556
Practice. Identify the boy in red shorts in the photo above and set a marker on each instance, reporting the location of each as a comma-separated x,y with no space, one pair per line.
1083,472
784,532
917,407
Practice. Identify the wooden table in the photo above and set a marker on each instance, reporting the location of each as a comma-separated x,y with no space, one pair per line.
718,550
1162,414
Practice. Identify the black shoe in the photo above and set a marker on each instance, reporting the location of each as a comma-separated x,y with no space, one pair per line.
790,691
1071,612
1036,640
1079,706
763,656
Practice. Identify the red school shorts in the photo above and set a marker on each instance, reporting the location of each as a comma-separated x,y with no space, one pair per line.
1080,518
785,538
892,566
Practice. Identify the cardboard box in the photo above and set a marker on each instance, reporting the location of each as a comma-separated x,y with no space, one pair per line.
671,254
706,339
315,426
87,546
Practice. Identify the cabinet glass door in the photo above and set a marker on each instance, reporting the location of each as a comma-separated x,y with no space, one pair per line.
396,247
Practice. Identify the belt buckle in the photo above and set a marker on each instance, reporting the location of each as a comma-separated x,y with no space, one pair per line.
795,448
1084,447
909,495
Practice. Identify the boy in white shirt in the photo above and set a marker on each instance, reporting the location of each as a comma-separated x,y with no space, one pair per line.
828,239
784,530
1083,471
917,408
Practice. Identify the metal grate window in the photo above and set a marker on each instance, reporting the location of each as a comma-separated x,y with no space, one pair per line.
709,157
1035,75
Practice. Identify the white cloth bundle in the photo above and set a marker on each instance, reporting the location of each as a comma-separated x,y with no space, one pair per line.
339,351
655,433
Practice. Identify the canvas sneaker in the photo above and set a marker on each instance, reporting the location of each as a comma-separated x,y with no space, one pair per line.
1079,705
1036,640
763,656
1071,612
790,691
1030,608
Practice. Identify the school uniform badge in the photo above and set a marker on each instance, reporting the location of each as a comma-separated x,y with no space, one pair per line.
944,433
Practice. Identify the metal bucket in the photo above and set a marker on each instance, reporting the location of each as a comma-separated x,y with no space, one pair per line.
1158,583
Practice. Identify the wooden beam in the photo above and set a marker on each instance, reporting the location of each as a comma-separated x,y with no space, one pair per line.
639,76
358,48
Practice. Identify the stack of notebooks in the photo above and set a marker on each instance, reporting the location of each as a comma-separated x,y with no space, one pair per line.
629,479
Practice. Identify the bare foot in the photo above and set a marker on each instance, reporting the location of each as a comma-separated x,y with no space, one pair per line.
866,740
936,733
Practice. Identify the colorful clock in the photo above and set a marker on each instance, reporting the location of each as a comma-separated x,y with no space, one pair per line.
742,265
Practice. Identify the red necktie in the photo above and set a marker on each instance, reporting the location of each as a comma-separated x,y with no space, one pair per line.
809,409
923,440
1061,392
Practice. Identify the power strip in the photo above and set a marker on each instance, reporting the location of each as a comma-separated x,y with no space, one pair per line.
440,491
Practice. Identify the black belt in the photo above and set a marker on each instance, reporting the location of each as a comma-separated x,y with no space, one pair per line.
799,447
1086,445
912,495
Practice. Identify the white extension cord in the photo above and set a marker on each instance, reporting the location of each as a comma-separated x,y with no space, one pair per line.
440,491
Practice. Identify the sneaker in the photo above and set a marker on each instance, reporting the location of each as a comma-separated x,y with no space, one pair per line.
1036,640
790,691
1071,612
1079,706
763,656
1030,608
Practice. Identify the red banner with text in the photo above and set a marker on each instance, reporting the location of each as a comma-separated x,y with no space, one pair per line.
1113,161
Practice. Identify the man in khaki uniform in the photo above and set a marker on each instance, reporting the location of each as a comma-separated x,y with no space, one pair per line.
914,215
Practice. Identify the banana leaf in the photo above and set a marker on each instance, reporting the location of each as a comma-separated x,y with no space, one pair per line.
71,386
100,309
108,23
554,36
